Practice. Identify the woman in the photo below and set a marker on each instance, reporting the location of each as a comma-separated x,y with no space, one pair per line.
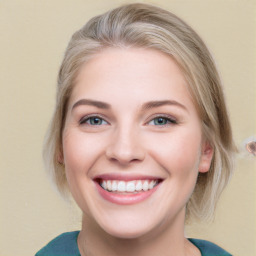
140,136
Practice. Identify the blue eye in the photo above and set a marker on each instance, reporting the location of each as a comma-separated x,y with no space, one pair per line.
161,121
93,120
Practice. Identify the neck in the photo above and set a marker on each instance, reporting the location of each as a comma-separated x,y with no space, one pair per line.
167,241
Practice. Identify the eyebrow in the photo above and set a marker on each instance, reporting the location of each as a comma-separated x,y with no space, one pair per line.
160,103
145,106
95,103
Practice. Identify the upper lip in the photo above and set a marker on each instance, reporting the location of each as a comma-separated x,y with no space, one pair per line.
125,177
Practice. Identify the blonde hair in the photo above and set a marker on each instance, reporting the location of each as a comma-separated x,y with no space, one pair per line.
146,26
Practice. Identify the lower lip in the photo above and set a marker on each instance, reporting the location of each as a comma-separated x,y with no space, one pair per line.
125,199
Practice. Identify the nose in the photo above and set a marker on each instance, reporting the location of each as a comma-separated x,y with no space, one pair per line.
125,147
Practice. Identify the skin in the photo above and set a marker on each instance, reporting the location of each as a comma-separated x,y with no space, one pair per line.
128,140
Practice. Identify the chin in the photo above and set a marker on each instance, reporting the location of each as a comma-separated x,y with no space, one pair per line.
127,233
127,228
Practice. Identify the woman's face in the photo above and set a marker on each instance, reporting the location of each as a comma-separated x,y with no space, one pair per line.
132,142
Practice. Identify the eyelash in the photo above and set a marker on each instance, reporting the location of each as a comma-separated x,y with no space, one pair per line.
165,118
84,119
169,120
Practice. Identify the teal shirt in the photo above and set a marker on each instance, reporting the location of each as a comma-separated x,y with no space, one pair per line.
66,245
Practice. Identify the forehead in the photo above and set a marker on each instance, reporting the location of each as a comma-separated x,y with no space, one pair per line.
130,71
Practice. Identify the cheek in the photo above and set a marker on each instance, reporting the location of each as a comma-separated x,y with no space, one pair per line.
80,152
177,152
187,152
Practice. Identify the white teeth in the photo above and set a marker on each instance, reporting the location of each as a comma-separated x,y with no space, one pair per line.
121,186
151,184
114,186
109,185
129,186
145,186
104,185
139,186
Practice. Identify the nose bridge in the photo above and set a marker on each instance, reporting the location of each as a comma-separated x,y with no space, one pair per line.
125,145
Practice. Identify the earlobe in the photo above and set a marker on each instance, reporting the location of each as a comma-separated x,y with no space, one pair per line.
206,157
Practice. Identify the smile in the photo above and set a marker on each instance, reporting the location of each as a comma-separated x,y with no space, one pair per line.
126,191
134,186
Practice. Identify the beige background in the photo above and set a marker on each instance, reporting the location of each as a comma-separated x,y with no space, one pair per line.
33,36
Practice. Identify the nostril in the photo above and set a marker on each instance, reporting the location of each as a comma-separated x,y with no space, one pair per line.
125,158
125,149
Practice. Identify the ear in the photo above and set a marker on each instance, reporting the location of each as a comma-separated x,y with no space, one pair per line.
206,157
60,158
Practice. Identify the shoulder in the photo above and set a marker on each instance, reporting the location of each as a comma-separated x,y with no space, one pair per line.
208,248
63,245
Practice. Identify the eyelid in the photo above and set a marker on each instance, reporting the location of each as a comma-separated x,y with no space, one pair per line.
170,118
86,117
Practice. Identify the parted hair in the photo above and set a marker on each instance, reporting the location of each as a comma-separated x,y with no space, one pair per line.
149,27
